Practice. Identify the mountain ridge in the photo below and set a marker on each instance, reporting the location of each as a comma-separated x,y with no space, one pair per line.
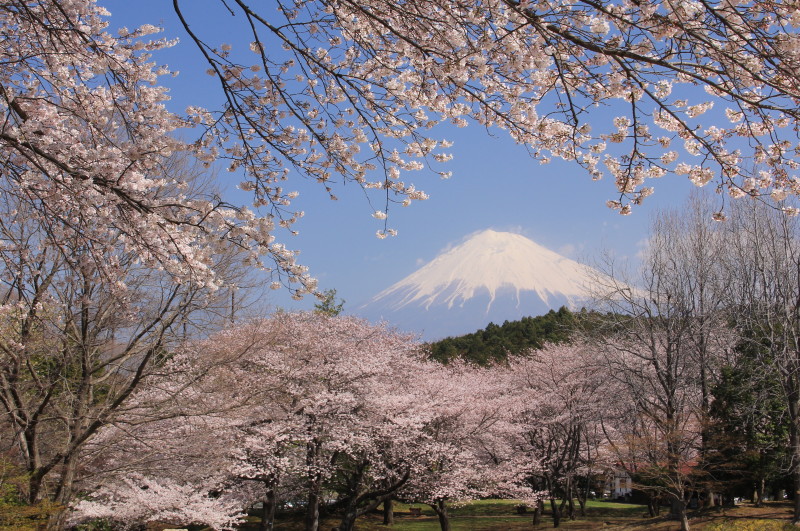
491,276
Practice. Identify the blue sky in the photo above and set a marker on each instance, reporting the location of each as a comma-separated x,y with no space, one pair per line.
495,184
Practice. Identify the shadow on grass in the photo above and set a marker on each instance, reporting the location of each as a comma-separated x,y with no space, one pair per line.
482,515
502,515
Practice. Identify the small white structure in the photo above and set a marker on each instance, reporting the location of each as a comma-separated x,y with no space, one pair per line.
618,484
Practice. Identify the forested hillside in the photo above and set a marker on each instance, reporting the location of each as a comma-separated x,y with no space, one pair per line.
496,342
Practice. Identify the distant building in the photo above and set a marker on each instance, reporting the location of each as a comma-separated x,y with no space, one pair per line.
618,484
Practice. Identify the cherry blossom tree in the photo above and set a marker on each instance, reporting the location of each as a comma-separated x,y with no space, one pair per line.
303,403
85,134
378,74
175,453
559,397
467,455
83,325
344,91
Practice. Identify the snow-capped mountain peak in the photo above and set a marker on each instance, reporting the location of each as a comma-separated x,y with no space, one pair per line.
500,275
489,261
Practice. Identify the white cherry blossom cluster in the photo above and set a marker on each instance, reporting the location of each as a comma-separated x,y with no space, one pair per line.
289,403
337,91
87,143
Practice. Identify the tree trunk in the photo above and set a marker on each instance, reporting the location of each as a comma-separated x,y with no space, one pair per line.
57,520
314,486
359,502
711,498
653,505
571,507
34,488
312,512
538,511
758,494
796,500
684,518
440,507
63,495
268,511
388,512
349,518
582,493
354,484
792,387
556,512
679,512
794,443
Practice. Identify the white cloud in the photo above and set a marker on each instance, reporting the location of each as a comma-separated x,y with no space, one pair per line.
567,250
642,246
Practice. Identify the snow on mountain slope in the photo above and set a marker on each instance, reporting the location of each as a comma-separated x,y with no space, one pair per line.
493,276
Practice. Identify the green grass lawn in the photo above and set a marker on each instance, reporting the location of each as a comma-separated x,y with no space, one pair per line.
481,515
502,515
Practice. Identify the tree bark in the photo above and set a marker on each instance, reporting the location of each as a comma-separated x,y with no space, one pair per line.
679,512
349,519
793,391
63,494
57,520
758,493
312,512
314,485
684,518
268,511
440,507
711,498
388,512
359,502
556,512
538,511
796,500
571,506
653,505
583,493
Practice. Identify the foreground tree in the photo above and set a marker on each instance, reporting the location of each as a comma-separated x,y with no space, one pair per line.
296,405
344,91
85,134
83,323
375,72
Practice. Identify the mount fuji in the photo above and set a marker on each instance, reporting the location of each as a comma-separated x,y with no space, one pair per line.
491,277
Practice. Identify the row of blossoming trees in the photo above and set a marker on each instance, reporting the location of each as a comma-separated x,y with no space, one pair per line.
117,405
308,407
347,416
334,411
120,404
111,256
